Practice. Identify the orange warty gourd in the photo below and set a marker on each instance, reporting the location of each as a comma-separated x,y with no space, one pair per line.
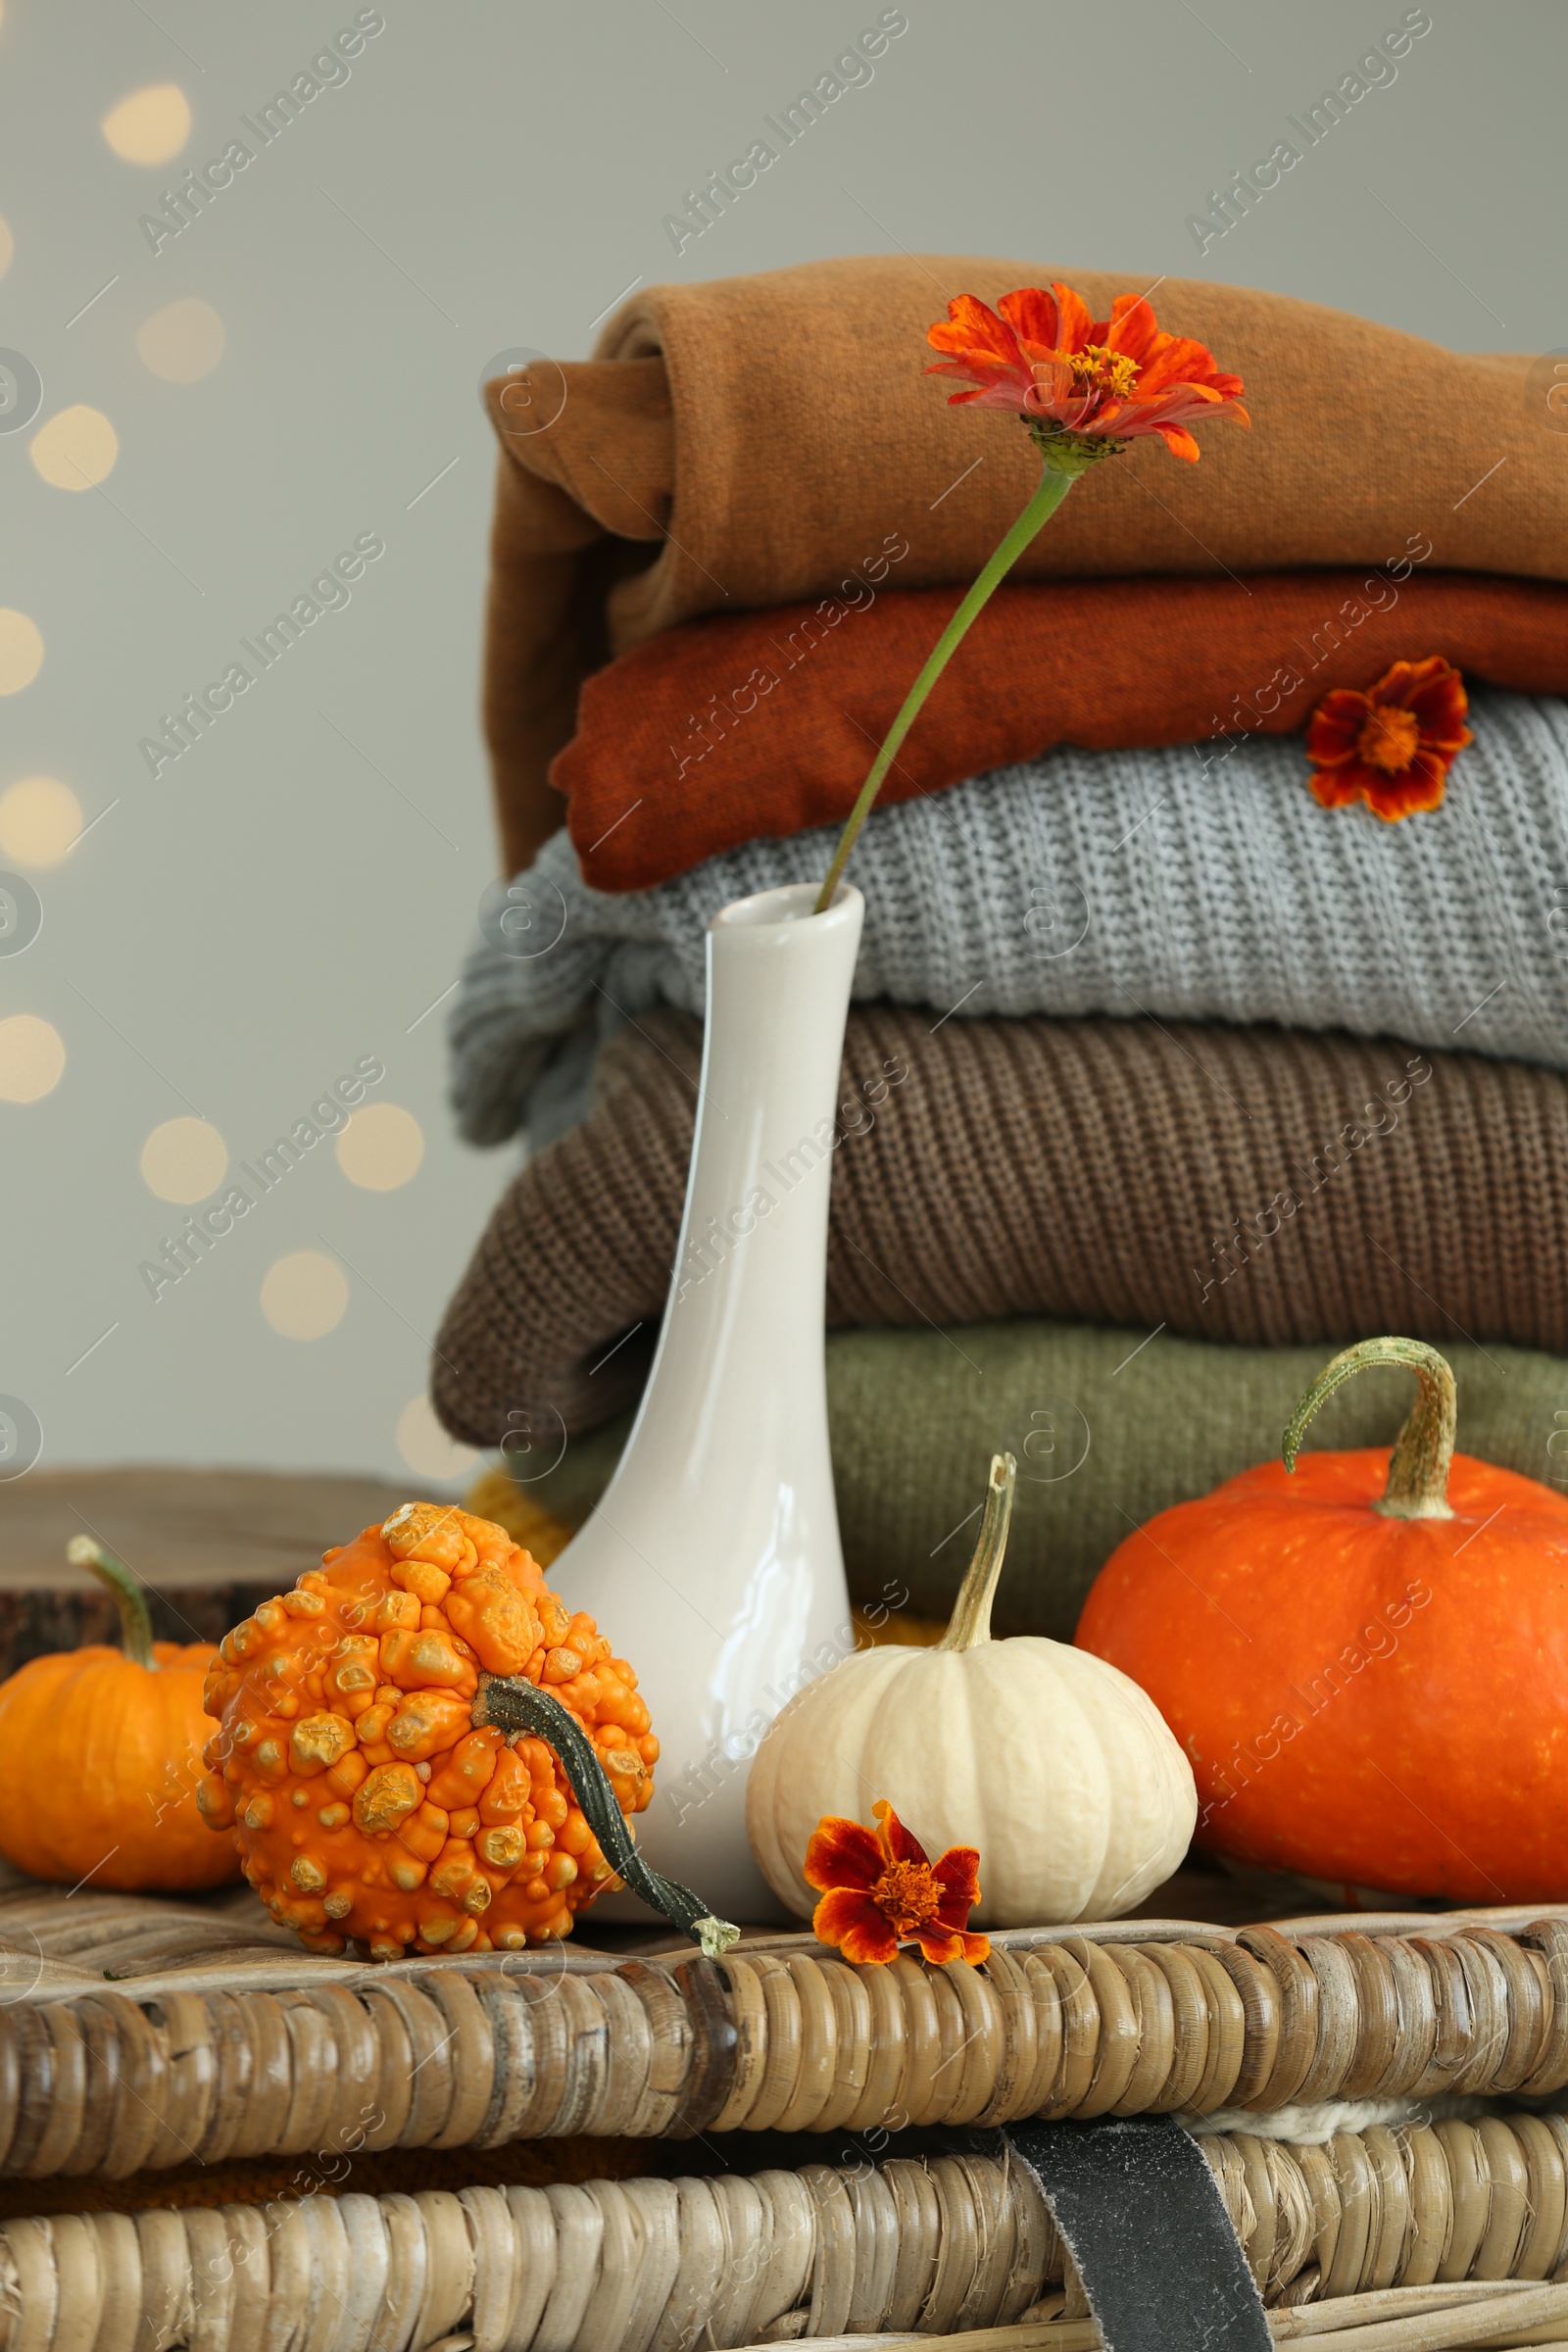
371,1795
1367,1662
103,1751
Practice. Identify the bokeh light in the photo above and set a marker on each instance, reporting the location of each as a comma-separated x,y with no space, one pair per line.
183,342
150,126
39,819
304,1296
20,650
33,1055
77,449
381,1147
426,1446
184,1160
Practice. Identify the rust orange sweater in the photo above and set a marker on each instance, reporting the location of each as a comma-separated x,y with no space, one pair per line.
722,730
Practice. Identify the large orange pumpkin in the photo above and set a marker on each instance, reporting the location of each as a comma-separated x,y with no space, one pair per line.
374,1791
103,1751
1365,1657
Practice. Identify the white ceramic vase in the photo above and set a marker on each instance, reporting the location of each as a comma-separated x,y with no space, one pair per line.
713,1560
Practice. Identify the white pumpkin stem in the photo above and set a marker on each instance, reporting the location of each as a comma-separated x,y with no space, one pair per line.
970,1622
1417,1485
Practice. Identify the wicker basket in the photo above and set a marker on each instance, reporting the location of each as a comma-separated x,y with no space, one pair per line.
182,2052
205,2045
939,2246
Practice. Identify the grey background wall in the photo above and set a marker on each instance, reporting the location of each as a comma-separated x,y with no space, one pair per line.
296,369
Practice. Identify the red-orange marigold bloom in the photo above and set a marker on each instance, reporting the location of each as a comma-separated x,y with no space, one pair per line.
1098,381
879,1889
1392,747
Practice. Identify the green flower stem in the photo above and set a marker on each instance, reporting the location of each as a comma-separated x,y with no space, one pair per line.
1053,488
513,1704
135,1618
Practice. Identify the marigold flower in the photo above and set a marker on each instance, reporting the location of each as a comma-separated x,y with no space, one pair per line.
1085,387
879,1889
1392,747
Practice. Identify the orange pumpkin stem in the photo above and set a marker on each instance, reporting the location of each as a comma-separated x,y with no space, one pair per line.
135,1619
970,1623
1417,1486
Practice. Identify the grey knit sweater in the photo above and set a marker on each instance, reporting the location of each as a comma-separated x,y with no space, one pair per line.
1111,882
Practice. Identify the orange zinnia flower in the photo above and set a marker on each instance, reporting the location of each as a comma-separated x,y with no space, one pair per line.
1393,747
1086,388
1090,383
879,1890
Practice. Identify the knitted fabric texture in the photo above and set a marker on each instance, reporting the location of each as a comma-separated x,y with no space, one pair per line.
1113,882
754,724
1104,1438
1255,1185
743,442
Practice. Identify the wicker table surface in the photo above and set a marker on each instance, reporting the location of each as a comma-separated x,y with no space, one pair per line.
210,2140
56,1943
233,2142
215,2040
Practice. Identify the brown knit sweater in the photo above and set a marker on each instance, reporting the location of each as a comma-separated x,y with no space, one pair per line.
1258,1185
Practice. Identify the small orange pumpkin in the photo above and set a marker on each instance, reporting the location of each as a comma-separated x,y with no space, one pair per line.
1367,1662
374,1791
104,1749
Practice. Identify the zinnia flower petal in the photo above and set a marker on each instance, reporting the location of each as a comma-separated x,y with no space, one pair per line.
1176,361
843,1853
1177,439
1186,403
1006,395
972,329
1077,327
976,366
852,1922
1052,392
1033,315
1131,327
1095,382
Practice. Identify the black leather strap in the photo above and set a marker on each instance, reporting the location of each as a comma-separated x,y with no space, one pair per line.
1140,2215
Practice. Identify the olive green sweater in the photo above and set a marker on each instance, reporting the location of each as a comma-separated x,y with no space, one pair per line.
1106,1432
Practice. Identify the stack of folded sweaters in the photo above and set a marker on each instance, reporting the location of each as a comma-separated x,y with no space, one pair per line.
1162,1080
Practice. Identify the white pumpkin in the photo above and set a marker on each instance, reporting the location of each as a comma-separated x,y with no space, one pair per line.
1058,1767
